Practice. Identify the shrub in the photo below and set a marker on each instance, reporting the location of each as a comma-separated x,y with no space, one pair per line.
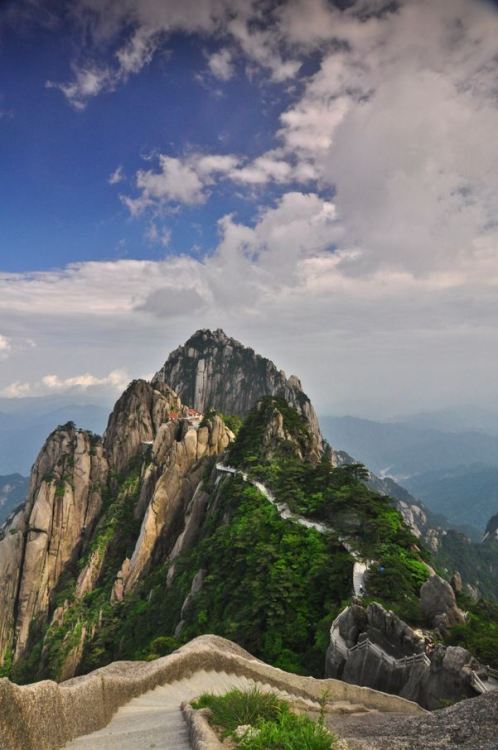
238,707
289,732
278,728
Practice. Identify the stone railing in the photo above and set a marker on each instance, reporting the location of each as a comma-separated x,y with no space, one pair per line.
479,685
381,654
45,715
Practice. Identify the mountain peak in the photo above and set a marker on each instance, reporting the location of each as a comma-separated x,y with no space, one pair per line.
214,371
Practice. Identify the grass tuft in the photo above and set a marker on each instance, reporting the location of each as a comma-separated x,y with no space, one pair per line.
277,727
238,707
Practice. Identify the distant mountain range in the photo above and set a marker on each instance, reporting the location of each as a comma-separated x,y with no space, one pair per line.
13,491
24,424
452,473
466,494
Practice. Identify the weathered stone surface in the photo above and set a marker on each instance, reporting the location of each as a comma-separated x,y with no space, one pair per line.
176,450
438,603
213,371
456,582
381,661
63,503
136,419
469,725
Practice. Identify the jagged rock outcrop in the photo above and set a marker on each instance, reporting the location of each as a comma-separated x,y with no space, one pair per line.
372,646
213,371
64,501
179,454
491,533
439,606
135,420
149,429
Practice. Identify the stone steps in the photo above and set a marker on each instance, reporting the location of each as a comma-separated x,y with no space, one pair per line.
154,719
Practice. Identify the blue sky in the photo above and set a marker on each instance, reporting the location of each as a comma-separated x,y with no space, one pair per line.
318,178
59,159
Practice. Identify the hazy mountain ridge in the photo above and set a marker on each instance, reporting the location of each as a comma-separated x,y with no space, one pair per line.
28,421
454,475
401,450
13,491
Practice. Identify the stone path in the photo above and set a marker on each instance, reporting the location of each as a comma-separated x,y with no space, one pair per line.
360,566
154,719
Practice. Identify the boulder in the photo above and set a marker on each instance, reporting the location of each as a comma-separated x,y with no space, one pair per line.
438,603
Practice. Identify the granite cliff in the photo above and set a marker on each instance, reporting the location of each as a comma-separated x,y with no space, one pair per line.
213,371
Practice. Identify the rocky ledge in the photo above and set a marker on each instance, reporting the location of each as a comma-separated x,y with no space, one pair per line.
469,725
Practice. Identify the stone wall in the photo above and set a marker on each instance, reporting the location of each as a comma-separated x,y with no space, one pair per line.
45,715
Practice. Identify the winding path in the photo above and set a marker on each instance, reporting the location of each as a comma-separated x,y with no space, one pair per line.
360,567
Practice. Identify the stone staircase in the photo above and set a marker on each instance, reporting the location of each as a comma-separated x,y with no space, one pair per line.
136,705
155,719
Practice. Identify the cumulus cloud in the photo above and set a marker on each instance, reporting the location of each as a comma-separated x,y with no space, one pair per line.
398,121
116,177
221,64
395,119
344,333
117,380
244,23
186,180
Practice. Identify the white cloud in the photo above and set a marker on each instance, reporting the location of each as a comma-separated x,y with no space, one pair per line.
221,64
87,83
244,24
187,180
399,122
117,380
284,291
5,346
16,390
158,235
116,177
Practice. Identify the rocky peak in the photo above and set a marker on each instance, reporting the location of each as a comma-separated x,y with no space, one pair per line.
491,533
63,503
136,418
214,371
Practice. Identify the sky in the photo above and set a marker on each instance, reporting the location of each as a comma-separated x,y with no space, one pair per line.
317,178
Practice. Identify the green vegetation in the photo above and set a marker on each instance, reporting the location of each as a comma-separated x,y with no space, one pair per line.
480,633
340,498
251,446
275,597
239,707
275,726
282,580
114,538
269,584
232,421
291,732
477,563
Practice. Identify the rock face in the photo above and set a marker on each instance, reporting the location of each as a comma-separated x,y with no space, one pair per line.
179,455
136,418
74,475
213,371
63,504
373,647
491,533
438,603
